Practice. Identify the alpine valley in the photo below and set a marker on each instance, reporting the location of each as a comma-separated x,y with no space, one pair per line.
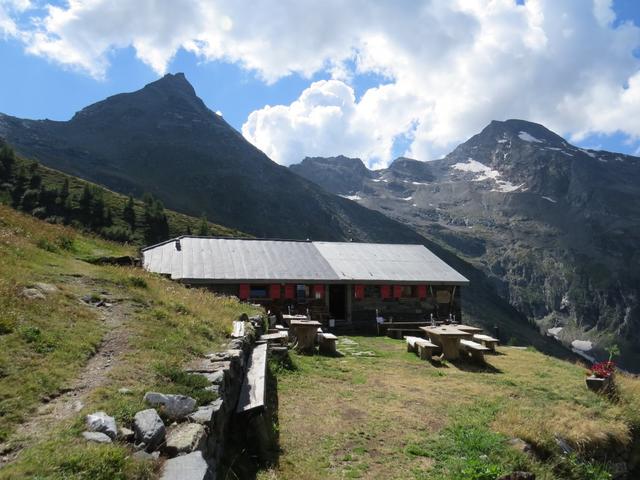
546,233
554,227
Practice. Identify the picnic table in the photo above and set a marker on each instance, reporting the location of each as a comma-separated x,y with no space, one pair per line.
305,332
468,328
448,337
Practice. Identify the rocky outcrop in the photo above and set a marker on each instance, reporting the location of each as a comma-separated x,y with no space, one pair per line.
103,423
149,429
553,227
175,407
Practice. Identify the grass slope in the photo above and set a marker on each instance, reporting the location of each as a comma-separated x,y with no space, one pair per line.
392,415
153,327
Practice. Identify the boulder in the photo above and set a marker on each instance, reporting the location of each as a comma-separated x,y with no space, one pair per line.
103,423
520,445
185,438
126,434
149,429
216,377
176,407
187,467
46,287
97,437
206,415
142,455
33,294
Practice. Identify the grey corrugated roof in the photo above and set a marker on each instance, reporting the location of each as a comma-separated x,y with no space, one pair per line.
375,261
202,259
220,259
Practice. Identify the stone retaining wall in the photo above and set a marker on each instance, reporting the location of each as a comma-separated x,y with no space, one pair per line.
225,370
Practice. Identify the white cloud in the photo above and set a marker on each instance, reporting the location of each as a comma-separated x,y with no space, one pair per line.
452,66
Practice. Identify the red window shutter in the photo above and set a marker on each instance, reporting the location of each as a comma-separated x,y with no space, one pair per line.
274,291
289,291
358,291
244,291
318,291
422,292
397,291
385,291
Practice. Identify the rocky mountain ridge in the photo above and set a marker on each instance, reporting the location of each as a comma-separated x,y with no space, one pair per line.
554,226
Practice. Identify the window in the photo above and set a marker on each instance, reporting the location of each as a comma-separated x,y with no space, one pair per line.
302,291
371,291
407,291
259,291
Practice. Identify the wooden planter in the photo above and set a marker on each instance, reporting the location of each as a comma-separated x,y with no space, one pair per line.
597,384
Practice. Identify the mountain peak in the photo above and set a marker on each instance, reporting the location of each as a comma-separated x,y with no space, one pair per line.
176,82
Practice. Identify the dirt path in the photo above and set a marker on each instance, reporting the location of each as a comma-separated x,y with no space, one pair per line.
72,399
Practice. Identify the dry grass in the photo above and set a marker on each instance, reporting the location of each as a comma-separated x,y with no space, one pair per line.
394,416
44,345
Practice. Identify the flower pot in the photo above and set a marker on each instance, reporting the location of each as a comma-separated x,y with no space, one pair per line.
597,384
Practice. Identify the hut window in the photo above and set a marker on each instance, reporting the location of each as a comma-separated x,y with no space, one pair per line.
318,291
371,291
397,291
358,291
407,291
258,291
302,291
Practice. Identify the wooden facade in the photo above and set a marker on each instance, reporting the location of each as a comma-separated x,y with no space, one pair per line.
355,304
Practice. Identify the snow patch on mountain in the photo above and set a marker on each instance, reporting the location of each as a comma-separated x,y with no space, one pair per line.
506,187
591,154
527,137
474,166
550,199
487,173
355,197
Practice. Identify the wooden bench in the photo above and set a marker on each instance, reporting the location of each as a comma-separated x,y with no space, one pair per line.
399,332
253,391
475,349
327,343
422,347
487,341
279,337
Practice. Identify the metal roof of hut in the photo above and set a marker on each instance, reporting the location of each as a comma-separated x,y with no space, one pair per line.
231,260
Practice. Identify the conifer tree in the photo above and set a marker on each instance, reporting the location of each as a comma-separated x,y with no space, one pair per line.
129,214
203,226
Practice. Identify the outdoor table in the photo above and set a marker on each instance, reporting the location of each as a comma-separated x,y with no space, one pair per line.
448,337
468,328
288,318
305,332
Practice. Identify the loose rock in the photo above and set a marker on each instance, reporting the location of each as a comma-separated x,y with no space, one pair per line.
205,415
192,466
46,287
103,423
175,407
126,434
185,438
33,294
149,429
97,437
142,455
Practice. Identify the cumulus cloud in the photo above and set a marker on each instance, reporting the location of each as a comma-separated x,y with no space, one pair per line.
451,66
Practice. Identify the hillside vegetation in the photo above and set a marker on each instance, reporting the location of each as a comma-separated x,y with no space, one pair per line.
64,199
377,412
72,334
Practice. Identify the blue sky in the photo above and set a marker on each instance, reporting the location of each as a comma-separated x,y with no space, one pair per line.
43,78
